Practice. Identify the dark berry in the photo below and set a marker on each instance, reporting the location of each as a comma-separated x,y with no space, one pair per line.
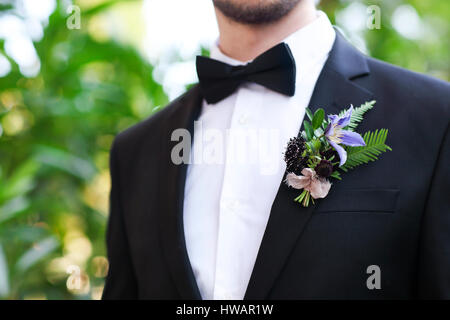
324,169
293,155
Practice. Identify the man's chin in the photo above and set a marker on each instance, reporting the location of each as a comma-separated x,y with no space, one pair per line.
255,11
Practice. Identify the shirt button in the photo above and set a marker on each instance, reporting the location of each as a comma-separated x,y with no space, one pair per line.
228,296
211,152
243,119
224,295
233,205
230,205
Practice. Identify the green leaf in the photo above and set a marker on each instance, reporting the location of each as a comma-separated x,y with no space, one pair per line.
20,182
5,7
65,161
102,7
13,208
316,144
26,234
336,175
358,113
319,132
318,117
308,129
39,251
4,274
375,145
309,114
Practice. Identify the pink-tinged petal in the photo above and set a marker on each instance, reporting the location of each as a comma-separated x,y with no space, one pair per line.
341,152
307,172
297,182
352,139
319,188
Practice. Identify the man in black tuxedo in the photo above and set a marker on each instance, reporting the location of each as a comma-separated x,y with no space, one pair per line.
224,231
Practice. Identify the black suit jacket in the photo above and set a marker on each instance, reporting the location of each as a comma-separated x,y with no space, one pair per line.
393,213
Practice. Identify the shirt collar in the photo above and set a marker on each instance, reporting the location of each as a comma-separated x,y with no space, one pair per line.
308,45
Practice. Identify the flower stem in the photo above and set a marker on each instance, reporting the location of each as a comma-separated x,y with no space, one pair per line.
306,199
301,196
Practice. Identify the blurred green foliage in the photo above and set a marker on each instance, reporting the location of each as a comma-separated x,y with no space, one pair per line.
56,130
426,50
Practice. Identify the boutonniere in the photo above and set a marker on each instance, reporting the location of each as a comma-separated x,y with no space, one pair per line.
327,147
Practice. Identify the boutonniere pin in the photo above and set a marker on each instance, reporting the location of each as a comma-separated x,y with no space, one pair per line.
326,148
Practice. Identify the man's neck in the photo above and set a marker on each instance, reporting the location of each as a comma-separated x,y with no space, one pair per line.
245,42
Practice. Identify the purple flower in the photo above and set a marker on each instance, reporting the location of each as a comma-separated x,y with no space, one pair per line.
336,135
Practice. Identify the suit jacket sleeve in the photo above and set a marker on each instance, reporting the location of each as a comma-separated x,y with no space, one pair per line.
120,281
434,259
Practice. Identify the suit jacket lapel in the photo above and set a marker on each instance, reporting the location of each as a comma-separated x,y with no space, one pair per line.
334,91
172,180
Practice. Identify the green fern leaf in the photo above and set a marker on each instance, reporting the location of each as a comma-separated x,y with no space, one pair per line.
375,145
336,175
357,114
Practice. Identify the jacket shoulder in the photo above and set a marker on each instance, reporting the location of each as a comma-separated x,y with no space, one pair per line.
406,85
150,129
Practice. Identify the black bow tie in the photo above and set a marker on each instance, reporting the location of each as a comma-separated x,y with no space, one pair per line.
274,69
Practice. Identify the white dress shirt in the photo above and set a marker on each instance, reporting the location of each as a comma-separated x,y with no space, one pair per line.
237,166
